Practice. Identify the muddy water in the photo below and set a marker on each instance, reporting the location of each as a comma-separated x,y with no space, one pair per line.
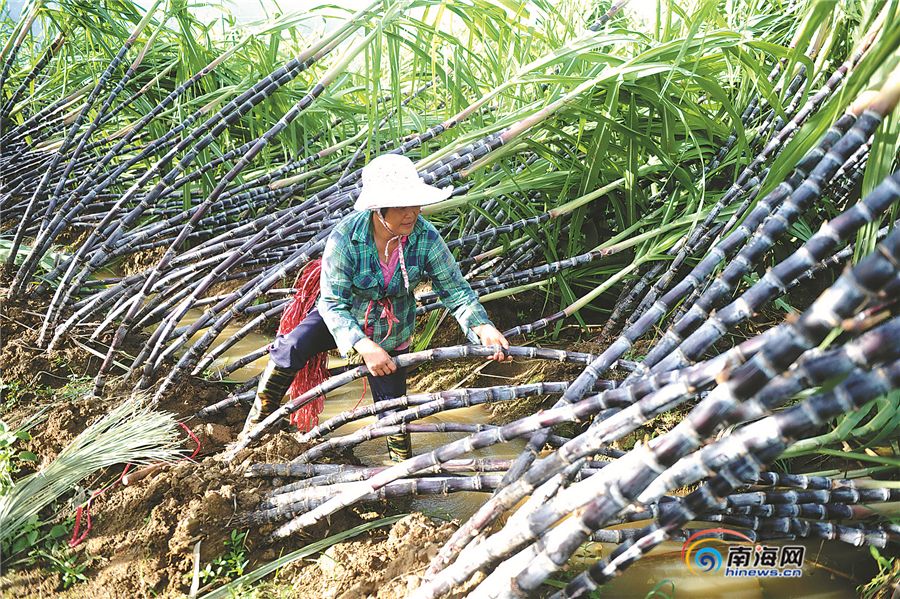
455,505
831,569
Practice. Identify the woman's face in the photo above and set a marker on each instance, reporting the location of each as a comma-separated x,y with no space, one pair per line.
402,220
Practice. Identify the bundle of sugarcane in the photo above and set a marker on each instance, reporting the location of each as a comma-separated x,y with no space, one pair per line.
624,483
882,197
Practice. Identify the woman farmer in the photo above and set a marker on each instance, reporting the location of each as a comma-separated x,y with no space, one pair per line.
372,262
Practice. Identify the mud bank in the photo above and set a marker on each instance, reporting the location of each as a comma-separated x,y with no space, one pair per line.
143,535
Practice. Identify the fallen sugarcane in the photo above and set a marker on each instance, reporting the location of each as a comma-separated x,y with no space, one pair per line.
735,472
884,103
626,478
405,360
702,271
522,427
817,248
137,180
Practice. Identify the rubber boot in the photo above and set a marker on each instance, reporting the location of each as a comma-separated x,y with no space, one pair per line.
274,382
399,447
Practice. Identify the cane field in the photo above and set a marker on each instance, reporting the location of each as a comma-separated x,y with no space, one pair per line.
681,214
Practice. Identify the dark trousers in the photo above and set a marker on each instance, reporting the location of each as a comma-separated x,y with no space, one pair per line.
310,337
291,351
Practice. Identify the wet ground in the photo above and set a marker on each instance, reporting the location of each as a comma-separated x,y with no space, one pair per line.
143,536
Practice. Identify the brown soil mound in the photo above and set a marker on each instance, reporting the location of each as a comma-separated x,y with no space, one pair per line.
383,566
143,535
143,539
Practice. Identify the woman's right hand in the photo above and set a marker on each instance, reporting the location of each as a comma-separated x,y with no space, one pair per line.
378,361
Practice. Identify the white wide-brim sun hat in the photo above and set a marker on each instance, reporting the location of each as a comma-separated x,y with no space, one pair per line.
391,181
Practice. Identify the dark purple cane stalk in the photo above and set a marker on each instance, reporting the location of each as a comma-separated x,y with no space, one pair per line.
632,292
418,411
42,117
641,391
824,243
357,473
706,266
453,163
854,287
490,394
866,386
60,222
784,426
811,371
272,310
528,274
453,450
27,268
759,447
70,137
286,505
11,49
776,224
51,51
757,529
786,132
450,167
341,473
214,126
405,360
609,14
715,455
659,308
256,148
208,131
415,486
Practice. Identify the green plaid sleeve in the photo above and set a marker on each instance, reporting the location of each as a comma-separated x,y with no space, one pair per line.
454,291
336,297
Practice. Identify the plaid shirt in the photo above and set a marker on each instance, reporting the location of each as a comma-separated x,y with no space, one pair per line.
352,283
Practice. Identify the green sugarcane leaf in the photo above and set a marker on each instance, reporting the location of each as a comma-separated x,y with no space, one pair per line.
311,549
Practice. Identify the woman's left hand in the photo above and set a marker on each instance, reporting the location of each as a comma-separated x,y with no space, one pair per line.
489,335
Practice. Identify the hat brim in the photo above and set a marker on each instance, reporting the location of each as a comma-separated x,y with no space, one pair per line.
419,195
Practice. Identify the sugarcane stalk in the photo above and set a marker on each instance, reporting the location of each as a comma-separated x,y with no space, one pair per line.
257,147
214,126
51,51
494,393
786,423
70,136
61,220
786,132
776,280
854,287
601,507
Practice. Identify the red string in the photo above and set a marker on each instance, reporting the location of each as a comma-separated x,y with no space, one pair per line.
359,401
387,311
194,438
315,372
85,510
